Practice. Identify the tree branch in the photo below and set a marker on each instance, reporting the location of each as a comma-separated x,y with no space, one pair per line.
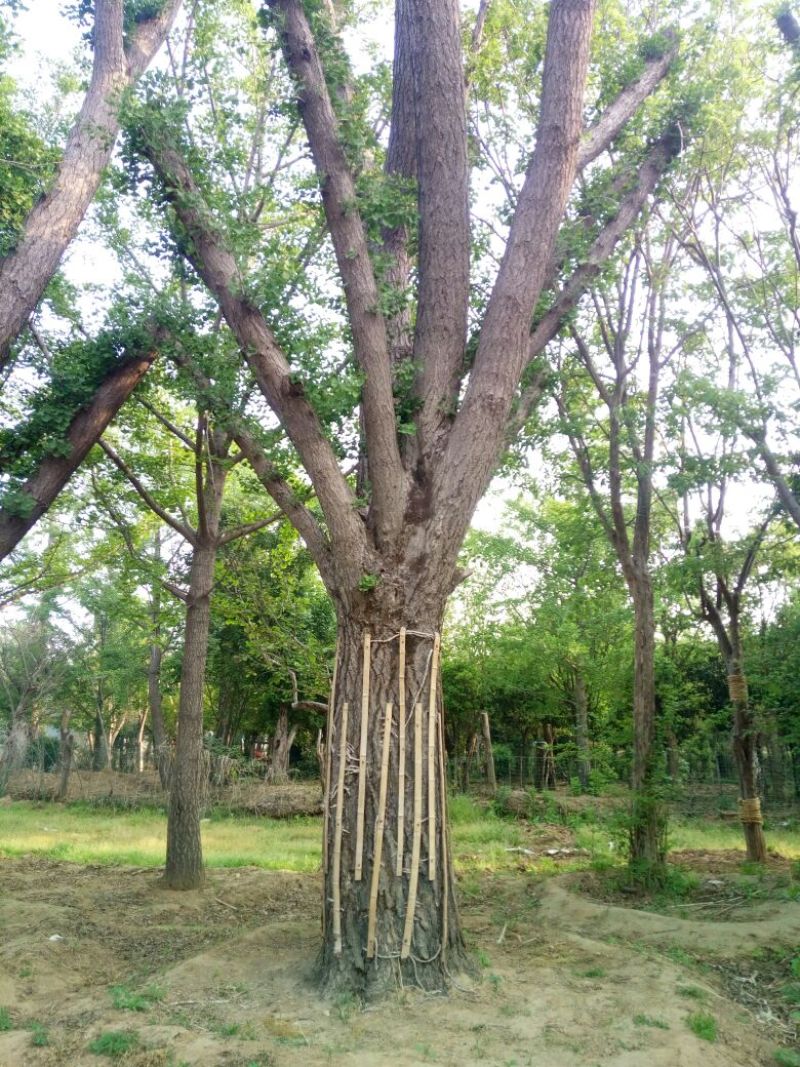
179,527
355,267
54,221
248,528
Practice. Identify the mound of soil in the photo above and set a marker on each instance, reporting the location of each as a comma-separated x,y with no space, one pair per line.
228,977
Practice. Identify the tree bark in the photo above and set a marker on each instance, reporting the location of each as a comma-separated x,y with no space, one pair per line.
66,751
161,746
280,746
382,927
188,785
648,829
491,778
581,701
746,756
101,753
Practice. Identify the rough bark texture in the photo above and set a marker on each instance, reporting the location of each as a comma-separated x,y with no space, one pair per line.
435,940
491,777
279,748
745,751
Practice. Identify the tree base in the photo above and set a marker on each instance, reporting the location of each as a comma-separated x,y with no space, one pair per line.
365,981
183,882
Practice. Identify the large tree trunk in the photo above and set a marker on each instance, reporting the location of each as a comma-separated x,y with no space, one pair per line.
648,817
15,749
745,754
389,907
66,750
581,701
184,867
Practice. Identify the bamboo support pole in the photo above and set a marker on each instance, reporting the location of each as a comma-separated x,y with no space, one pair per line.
328,759
413,877
337,836
380,819
432,760
362,761
401,755
445,858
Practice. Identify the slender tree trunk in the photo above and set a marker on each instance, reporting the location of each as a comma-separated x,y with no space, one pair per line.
581,702
648,818
491,777
389,906
673,755
17,743
745,755
101,753
66,751
184,867
161,746
140,742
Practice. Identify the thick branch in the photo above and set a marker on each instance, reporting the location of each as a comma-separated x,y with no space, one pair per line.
54,221
54,471
478,433
778,479
598,138
355,267
443,194
217,267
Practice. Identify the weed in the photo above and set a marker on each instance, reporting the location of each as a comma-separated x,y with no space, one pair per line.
649,1020
592,972
114,1043
346,1004
39,1036
702,1025
495,980
692,992
5,1020
482,958
125,999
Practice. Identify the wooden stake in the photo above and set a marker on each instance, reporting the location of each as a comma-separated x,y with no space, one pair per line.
417,835
401,757
432,760
445,865
328,754
362,761
337,837
379,823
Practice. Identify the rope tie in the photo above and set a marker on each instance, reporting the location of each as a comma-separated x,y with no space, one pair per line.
750,810
737,687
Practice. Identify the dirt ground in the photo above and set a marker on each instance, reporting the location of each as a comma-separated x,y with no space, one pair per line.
563,982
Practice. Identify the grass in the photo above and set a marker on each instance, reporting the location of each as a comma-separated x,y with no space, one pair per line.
702,1025
87,834
126,999
114,1043
5,1020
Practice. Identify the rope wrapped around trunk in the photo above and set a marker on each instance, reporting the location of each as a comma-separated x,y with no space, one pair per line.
750,810
737,687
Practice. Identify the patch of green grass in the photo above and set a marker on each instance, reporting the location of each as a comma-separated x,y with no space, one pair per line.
787,1057
692,992
5,1020
592,972
649,1020
39,1035
126,999
114,1043
702,1025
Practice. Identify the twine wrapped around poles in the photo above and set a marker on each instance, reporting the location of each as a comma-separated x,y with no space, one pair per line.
737,688
750,810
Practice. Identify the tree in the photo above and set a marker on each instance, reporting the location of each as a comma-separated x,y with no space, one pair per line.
442,383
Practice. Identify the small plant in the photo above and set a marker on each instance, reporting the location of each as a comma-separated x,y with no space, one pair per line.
702,1025
649,1020
39,1035
482,958
114,1043
787,1057
125,999
692,992
5,1020
592,972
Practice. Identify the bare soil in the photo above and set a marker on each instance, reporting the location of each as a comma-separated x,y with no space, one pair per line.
234,963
